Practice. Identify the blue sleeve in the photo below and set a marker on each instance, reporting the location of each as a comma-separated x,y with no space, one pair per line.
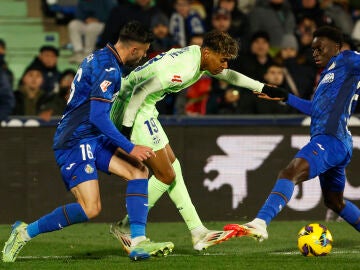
99,116
300,104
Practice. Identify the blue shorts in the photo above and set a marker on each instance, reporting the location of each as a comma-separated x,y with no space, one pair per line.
327,157
81,162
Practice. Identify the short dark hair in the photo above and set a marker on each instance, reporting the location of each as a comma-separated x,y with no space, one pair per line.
135,31
222,43
331,33
49,48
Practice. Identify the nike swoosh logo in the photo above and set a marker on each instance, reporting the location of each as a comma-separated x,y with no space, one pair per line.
109,69
70,166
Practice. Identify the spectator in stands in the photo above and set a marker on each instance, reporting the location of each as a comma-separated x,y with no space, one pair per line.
255,63
274,76
55,104
239,27
299,76
310,9
3,65
89,22
225,99
244,6
62,10
141,10
184,23
163,40
46,61
348,43
221,20
30,96
340,16
304,33
7,100
275,17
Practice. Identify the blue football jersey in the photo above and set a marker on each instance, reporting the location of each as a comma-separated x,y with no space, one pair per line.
336,96
99,78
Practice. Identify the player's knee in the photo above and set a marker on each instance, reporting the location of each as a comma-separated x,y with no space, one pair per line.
335,205
92,210
140,173
165,176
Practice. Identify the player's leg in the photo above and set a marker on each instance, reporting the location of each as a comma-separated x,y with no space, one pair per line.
202,238
309,162
80,177
276,201
332,185
136,204
76,29
121,230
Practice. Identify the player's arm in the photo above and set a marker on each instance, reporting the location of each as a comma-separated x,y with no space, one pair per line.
235,78
303,105
99,117
141,91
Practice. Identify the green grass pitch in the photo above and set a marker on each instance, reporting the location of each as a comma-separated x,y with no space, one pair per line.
90,246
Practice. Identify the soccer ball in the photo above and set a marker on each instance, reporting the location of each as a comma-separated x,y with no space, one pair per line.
314,240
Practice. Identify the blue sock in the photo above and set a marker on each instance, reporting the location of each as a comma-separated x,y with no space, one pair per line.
137,206
351,214
59,218
278,198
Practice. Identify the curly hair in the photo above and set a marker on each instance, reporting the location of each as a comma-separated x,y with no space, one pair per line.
222,43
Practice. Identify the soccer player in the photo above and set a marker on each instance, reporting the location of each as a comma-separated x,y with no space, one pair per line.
330,148
171,72
87,141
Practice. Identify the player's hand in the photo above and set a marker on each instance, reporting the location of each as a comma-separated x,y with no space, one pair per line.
126,131
266,97
142,152
275,92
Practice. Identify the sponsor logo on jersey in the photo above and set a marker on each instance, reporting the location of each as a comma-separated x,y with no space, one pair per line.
328,78
104,85
110,69
320,146
89,169
70,166
176,78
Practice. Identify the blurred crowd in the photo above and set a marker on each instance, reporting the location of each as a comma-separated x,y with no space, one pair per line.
274,36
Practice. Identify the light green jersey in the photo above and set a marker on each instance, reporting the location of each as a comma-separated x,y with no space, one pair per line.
168,72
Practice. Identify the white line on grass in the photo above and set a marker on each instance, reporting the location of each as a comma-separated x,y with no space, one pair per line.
333,252
176,255
113,256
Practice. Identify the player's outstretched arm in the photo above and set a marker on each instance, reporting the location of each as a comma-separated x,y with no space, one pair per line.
238,79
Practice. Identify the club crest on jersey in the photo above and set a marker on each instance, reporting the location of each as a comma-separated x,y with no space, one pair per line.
176,78
89,169
104,85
